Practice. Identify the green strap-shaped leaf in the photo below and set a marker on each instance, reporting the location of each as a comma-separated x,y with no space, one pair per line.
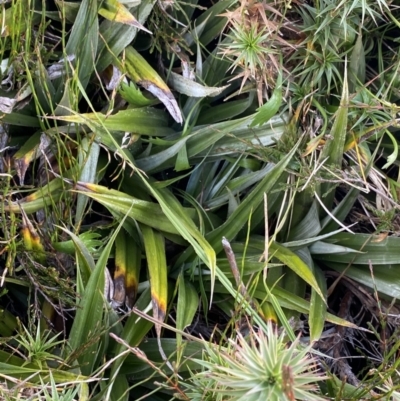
269,109
121,389
241,215
89,152
89,316
157,266
83,40
187,305
183,223
133,262
383,279
85,262
357,64
120,269
334,147
133,333
148,213
318,307
364,249
144,121
12,365
21,120
295,263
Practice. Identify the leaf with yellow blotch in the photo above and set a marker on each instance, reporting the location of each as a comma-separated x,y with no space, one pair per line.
145,212
154,245
314,144
113,10
157,266
140,71
32,239
28,152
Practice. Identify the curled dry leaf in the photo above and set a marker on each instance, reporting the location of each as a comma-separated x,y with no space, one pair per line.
141,72
193,89
166,97
7,104
58,69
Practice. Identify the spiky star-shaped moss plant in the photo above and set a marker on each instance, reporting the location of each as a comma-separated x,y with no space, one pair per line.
259,367
254,44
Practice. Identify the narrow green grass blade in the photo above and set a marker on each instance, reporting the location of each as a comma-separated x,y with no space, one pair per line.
21,120
156,161
32,205
225,111
13,360
369,249
17,367
309,226
330,251
237,185
35,375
